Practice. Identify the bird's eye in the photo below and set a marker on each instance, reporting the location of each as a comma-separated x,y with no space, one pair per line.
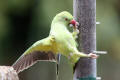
66,19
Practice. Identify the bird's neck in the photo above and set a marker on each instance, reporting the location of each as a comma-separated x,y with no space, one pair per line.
58,27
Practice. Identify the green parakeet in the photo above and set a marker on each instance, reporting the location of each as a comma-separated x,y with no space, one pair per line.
60,40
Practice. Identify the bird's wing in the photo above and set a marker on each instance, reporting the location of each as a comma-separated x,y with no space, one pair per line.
42,50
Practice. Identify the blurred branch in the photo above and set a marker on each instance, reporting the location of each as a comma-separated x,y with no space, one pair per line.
8,73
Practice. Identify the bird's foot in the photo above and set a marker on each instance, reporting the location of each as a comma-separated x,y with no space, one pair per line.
94,56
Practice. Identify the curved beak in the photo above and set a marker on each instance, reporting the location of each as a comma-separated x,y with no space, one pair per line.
74,24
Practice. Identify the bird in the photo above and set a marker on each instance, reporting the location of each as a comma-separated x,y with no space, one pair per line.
61,40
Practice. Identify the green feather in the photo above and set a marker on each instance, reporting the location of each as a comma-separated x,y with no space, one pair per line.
60,40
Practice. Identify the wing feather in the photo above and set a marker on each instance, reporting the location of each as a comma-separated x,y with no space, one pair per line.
42,50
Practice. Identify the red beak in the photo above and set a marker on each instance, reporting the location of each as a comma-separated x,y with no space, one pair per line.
74,23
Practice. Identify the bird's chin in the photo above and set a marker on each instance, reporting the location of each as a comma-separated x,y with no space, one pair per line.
73,26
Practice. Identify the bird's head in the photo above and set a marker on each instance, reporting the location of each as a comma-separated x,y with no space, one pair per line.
65,18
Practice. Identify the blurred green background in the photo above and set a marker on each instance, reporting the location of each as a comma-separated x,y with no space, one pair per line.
22,22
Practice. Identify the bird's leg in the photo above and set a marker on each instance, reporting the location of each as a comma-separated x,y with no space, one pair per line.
58,62
76,53
91,55
74,57
80,54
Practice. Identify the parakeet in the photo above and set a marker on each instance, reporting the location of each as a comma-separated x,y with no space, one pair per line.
60,40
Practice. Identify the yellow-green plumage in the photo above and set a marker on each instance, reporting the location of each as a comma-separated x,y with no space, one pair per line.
60,40
47,44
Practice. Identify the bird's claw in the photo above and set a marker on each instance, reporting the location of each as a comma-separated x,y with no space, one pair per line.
94,56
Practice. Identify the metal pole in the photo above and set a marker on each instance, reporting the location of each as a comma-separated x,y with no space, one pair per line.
84,12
